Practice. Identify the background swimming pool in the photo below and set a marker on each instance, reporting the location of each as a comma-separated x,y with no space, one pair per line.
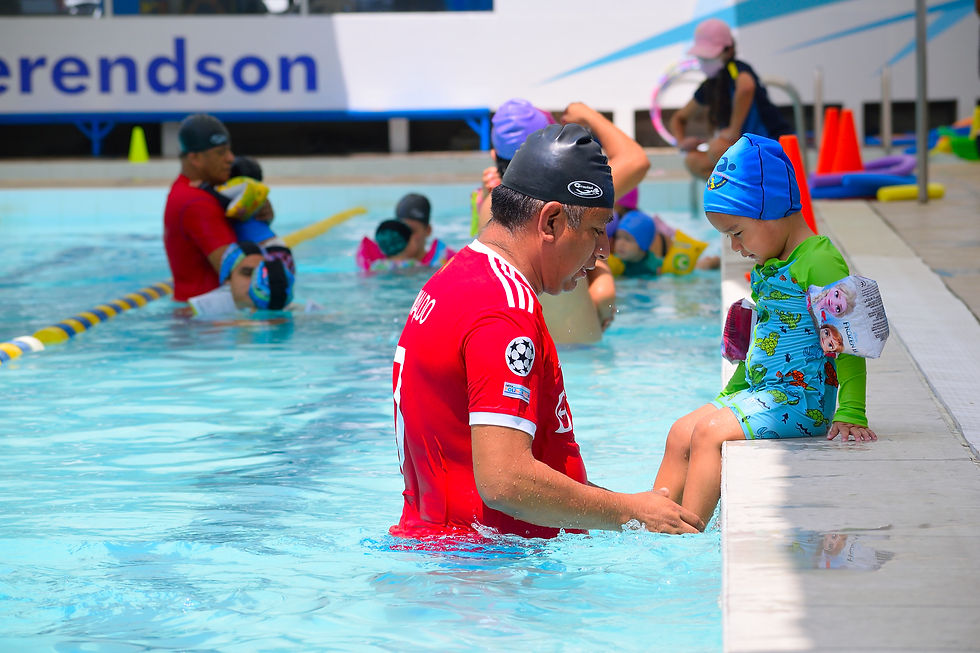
192,485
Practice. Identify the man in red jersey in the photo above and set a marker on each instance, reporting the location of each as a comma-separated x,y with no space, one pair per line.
484,431
196,232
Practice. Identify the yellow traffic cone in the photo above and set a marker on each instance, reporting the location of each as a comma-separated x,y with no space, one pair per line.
137,146
975,126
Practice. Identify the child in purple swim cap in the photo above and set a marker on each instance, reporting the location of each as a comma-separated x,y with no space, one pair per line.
786,387
514,121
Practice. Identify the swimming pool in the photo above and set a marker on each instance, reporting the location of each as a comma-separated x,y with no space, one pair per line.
200,486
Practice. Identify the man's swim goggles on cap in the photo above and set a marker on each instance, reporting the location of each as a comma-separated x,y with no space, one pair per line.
271,287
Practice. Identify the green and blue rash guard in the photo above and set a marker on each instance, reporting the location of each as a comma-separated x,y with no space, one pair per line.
784,358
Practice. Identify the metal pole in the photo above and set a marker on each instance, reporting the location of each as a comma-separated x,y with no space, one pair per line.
886,109
817,107
921,108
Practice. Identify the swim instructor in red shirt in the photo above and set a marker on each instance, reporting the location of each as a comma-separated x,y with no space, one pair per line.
484,431
196,232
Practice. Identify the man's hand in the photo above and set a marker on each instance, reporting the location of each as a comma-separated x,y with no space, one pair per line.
659,514
848,431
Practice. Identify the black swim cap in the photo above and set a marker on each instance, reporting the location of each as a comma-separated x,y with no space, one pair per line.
414,207
562,163
392,236
246,166
200,132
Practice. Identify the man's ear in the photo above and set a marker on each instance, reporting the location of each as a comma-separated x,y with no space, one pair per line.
551,221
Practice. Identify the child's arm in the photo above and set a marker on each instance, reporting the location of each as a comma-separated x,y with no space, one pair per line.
737,382
850,420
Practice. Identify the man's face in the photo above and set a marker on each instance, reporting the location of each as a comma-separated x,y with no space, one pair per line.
241,279
578,248
214,165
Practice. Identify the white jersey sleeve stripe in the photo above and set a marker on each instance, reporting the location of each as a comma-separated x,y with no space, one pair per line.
501,419
515,282
524,290
519,293
495,266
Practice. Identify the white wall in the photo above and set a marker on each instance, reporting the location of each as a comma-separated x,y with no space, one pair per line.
479,59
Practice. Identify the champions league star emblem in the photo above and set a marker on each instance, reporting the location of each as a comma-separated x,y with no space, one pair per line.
520,356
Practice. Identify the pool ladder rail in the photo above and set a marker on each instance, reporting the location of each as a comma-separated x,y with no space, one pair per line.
68,328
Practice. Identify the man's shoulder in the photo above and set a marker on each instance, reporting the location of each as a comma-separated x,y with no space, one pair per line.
474,278
182,194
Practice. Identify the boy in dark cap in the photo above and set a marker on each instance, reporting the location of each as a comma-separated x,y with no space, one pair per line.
412,212
484,431
786,387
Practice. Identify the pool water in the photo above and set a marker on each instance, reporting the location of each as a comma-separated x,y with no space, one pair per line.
201,485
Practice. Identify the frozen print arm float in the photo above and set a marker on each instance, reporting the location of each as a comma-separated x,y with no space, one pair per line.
848,318
848,314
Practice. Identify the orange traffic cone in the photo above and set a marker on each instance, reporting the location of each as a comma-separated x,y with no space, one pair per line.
792,148
847,158
828,141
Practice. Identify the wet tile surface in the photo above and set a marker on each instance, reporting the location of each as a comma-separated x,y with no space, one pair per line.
873,546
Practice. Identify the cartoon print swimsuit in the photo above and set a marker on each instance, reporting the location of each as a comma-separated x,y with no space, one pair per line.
792,389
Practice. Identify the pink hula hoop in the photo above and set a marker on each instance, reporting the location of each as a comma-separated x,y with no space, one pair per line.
665,81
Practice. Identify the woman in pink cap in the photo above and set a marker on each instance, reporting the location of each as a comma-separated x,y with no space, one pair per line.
736,100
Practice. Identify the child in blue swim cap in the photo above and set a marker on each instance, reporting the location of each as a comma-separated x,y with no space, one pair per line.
634,237
786,387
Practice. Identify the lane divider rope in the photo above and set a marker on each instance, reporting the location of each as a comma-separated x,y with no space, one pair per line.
70,327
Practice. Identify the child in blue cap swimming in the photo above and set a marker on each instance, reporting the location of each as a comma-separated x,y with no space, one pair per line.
634,237
786,387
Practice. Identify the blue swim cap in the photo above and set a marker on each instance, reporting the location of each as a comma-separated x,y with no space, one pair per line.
639,225
272,285
754,179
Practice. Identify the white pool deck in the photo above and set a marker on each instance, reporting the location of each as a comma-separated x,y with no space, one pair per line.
908,504
907,507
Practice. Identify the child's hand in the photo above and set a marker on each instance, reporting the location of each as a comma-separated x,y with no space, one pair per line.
689,143
850,431
491,179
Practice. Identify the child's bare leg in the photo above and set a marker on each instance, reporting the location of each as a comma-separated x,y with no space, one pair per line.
677,452
703,485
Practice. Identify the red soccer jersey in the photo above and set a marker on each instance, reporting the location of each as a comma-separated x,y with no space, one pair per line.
475,350
194,225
